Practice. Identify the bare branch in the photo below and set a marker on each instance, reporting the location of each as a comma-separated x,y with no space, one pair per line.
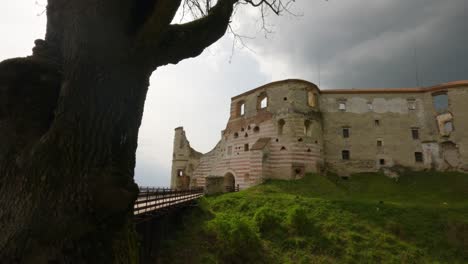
182,41
188,40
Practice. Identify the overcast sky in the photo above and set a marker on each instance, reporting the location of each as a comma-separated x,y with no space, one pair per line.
354,43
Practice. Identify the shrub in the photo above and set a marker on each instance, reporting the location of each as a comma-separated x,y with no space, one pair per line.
236,239
298,221
267,220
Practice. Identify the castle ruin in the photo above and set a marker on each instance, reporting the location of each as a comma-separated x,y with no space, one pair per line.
285,129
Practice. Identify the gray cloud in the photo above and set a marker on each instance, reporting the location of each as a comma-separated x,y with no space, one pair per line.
369,43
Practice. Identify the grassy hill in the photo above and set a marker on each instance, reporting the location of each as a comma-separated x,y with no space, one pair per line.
421,218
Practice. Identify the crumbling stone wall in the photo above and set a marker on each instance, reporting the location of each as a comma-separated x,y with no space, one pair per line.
285,129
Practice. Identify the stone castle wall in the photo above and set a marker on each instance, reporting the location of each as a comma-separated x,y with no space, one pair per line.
284,129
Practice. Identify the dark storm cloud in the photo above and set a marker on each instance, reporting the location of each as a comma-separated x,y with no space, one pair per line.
379,43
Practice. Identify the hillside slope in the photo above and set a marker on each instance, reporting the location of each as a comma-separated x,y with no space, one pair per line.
421,218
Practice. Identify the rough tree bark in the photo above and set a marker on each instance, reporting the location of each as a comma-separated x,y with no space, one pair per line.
69,120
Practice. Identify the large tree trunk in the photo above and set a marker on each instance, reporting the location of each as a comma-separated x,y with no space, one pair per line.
69,120
69,135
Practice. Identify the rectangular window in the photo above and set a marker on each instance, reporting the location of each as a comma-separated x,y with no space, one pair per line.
346,132
382,162
345,155
229,150
246,147
415,133
411,104
379,143
418,156
377,122
342,106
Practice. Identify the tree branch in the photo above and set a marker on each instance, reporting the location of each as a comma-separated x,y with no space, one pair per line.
188,40
162,15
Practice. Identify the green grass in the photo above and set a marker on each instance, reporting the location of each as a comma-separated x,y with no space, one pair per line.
421,218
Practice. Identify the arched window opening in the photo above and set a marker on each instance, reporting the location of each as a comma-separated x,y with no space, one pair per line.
256,129
312,99
307,130
236,135
262,102
283,148
240,108
281,124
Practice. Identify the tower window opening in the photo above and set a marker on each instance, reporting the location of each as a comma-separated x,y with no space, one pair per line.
312,99
262,101
281,124
307,130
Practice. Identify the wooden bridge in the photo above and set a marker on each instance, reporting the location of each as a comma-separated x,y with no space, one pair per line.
154,201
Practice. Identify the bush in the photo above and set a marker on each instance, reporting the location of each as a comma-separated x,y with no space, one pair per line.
267,220
236,239
298,221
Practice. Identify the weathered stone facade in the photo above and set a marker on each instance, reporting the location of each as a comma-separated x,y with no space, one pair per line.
284,129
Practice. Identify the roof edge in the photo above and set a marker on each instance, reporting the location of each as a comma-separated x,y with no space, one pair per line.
433,88
272,84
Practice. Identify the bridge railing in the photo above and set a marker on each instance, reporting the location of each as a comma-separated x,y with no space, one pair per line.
151,199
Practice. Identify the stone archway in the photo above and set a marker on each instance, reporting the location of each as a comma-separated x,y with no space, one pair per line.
229,182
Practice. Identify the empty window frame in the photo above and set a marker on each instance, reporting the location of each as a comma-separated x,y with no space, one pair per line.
418,157
411,104
262,101
415,133
440,102
281,124
382,161
377,122
180,173
379,143
342,106
240,108
346,132
307,130
345,155
312,99
246,147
